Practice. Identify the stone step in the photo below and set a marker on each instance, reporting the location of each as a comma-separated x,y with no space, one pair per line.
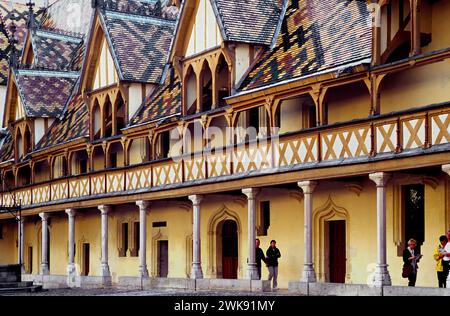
27,289
15,285
9,279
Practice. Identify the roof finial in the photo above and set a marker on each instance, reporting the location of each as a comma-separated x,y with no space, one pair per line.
31,24
12,46
97,4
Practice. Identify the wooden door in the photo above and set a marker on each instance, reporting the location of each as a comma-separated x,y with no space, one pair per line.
229,250
337,251
163,258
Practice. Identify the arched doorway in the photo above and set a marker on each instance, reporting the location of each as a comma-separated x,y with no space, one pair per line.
229,249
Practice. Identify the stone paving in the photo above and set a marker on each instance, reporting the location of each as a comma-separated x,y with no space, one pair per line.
121,292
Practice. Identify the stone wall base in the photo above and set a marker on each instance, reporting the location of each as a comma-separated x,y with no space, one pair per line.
332,289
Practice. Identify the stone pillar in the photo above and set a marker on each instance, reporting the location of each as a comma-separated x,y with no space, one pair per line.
20,242
144,206
382,277
308,274
104,209
44,243
196,272
252,270
71,273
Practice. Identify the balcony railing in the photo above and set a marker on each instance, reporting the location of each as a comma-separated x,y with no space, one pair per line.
382,136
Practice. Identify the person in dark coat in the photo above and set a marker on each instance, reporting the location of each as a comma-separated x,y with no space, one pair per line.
411,257
273,254
259,257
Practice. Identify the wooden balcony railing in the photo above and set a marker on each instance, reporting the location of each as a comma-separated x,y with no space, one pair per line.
382,136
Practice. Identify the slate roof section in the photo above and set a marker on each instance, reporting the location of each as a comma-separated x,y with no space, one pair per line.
316,35
140,44
56,51
165,101
6,146
251,21
74,124
44,93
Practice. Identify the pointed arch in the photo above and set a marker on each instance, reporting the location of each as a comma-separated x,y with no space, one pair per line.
214,266
329,211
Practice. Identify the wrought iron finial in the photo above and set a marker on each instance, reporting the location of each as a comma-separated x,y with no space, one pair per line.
31,24
12,46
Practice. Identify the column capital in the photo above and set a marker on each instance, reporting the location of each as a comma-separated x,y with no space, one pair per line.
380,178
71,212
145,205
196,199
43,216
308,187
446,169
251,193
104,209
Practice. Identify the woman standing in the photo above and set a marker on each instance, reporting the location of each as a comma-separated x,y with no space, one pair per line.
410,257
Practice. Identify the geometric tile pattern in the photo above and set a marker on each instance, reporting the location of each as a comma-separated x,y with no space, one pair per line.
6,146
74,124
43,93
140,44
164,101
248,21
310,41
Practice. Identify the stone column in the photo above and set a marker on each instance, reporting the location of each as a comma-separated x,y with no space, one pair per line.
308,274
144,206
382,277
44,243
104,209
252,271
71,240
196,272
20,241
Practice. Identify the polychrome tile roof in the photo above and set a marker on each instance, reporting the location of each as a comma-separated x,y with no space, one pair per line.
253,21
140,44
163,102
316,35
56,51
73,124
44,93
6,146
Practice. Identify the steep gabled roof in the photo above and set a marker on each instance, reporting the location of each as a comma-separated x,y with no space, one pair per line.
139,44
73,124
44,93
316,35
6,146
54,50
253,21
165,101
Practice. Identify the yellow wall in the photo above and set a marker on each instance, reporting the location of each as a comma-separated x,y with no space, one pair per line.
439,26
8,249
416,87
348,103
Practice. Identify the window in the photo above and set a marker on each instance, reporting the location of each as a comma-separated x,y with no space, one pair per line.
414,213
83,166
163,145
124,240
159,224
136,233
113,160
264,209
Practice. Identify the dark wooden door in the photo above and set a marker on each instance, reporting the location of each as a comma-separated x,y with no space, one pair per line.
337,251
30,260
229,250
86,254
163,258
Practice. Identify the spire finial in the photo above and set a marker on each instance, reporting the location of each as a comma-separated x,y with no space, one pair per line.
12,46
31,24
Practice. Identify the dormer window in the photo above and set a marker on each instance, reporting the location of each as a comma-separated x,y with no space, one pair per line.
23,142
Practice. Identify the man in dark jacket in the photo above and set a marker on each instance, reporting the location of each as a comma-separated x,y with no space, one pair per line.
259,257
272,263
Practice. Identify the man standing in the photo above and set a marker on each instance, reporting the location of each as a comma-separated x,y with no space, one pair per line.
259,257
272,262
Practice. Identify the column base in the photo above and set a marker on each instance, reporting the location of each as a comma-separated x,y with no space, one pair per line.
196,272
105,270
382,277
143,272
252,272
308,274
44,269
